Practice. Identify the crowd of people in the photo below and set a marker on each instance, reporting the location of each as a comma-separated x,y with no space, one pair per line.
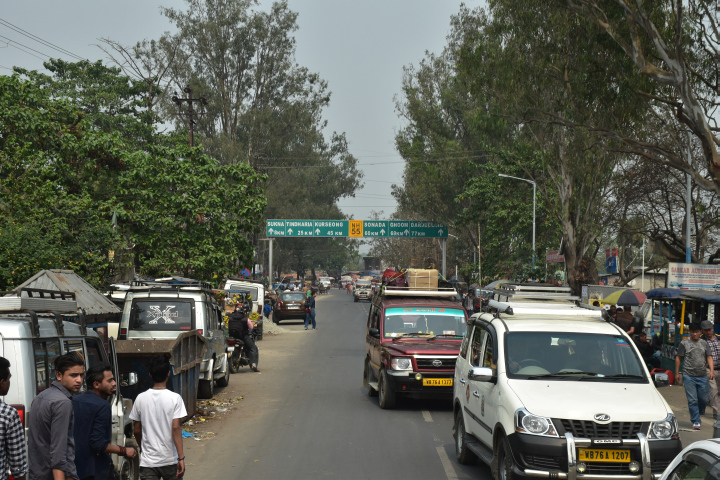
69,435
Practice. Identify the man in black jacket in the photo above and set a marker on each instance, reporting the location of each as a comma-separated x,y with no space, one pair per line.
240,326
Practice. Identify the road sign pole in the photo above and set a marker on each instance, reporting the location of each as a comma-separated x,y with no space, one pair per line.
444,246
270,269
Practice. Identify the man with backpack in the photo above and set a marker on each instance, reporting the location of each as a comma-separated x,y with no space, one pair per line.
240,326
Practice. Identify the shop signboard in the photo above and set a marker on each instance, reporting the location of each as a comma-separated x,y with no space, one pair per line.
693,276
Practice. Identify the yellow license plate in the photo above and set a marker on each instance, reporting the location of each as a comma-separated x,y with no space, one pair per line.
437,382
603,455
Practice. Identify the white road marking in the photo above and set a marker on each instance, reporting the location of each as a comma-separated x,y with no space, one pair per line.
447,464
427,416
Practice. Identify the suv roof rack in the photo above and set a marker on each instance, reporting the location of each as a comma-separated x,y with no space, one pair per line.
517,292
418,292
32,301
176,282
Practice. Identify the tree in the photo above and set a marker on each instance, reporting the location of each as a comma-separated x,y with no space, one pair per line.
676,48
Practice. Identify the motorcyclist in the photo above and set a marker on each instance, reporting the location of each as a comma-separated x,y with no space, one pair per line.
240,326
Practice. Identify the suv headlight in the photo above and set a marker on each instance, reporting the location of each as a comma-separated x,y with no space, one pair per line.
526,422
400,363
663,429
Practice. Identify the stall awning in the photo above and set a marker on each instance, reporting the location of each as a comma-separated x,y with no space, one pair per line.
664,293
710,296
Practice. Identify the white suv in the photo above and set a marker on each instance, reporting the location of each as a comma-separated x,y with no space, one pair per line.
544,388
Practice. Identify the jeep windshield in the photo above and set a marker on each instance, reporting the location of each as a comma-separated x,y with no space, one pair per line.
363,284
161,314
424,322
572,356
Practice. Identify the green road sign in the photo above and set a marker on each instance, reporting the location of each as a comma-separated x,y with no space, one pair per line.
341,228
375,228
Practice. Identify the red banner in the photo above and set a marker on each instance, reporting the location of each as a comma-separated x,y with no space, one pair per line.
554,257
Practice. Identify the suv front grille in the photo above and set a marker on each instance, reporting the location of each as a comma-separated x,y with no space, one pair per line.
590,429
431,363
542,461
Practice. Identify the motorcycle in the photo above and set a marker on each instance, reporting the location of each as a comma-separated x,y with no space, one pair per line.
239,356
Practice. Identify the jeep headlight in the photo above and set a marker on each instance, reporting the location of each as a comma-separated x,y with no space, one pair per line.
526,422
663,429
401,363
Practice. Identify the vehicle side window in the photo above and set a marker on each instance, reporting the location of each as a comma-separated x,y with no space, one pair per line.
489,353
45,353
74,346
94,356
689,471
478,337
465,343
370,316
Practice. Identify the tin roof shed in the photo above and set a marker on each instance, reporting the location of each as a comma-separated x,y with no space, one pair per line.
97,307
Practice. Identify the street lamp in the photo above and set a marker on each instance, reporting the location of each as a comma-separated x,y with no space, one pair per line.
534,187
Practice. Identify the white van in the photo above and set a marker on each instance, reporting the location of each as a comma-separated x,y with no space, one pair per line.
255,289
31,341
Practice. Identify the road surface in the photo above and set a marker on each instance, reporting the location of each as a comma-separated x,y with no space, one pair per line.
306,415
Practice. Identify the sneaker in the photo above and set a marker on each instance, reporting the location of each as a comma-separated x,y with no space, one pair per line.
254,368
696,426
305,328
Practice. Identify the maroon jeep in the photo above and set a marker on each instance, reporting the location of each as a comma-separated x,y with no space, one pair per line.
412,342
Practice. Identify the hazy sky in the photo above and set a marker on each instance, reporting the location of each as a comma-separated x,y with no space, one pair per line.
358,46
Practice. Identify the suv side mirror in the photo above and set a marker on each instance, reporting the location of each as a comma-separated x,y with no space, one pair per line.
374,332
480,374
128,379
661,379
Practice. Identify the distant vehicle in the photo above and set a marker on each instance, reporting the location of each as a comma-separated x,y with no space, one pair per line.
255,289
362,290
289,305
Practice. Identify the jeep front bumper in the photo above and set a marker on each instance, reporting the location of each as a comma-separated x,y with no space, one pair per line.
407,382
546,457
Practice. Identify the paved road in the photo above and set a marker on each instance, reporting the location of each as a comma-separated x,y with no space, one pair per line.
306,415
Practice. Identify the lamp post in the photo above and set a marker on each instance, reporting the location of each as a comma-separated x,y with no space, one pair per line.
534,187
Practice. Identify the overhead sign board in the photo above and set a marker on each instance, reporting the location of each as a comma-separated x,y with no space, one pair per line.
355,228
693,276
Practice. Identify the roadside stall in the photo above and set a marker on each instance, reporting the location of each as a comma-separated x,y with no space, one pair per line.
667,306
705,305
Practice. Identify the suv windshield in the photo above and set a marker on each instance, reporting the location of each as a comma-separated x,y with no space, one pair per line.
363,284
571,356
292,297
161,315
417,321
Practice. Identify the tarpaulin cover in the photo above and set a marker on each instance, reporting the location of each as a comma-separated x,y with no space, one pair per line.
657,293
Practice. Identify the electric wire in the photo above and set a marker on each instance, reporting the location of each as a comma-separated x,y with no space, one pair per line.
38,39
25,46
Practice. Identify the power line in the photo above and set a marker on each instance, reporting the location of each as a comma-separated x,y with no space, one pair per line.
36,51
38,39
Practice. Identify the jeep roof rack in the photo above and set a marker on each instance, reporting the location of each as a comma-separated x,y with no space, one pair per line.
388,290
32,301
176,282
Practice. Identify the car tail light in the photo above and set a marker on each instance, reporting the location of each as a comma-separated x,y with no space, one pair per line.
279,303
231,342
123,334
21,411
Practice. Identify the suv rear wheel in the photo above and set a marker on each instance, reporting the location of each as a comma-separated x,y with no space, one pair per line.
386,397
462,453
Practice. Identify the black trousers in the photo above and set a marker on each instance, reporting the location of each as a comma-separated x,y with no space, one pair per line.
252,350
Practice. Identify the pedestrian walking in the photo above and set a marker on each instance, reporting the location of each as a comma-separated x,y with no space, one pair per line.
51,437
708,329
310,311
696,353
93,425
13,456
469,303
349,288
157,413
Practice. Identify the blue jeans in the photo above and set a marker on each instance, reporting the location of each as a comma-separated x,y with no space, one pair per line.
697,390
310,316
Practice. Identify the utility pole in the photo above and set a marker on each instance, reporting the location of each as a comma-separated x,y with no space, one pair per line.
191,112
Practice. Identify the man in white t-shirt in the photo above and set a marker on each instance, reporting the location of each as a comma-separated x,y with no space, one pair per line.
157,413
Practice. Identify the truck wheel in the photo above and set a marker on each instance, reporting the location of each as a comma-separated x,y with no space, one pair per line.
503,456
223,382
386,397
462,453
206,389
367,379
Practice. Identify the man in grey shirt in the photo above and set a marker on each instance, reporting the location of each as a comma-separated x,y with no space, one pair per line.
51,444
696,353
